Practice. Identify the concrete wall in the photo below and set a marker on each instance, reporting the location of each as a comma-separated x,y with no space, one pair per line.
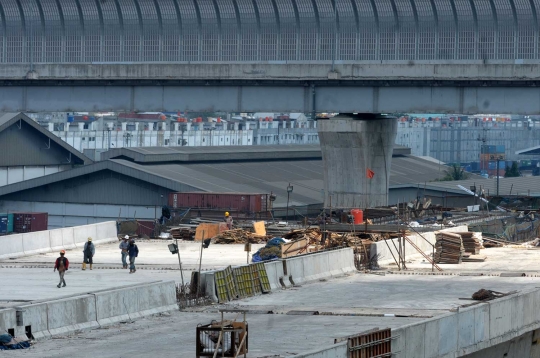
385,252
313,267
471,329
92,310
52,240
297,270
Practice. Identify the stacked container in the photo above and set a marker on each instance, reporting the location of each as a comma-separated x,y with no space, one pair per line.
6,224
236,202
30,222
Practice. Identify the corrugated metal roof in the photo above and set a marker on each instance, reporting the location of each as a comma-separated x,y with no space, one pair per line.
306,176
9,119
228,153
507,186
529,151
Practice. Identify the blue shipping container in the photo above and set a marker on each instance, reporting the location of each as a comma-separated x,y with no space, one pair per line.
500,149
6,224
3,224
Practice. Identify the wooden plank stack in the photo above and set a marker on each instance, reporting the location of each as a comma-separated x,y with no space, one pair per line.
448,248
239,236
471,244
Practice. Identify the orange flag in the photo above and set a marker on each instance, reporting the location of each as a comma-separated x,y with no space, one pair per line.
370,173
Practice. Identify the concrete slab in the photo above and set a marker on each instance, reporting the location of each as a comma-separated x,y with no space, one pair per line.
387,294
174,336
498,259
151,253
30,284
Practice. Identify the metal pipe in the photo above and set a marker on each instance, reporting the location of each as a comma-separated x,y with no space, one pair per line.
497,177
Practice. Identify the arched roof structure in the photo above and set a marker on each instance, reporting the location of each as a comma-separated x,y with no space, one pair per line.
85,31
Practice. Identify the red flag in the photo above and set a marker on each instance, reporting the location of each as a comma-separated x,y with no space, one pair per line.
370,173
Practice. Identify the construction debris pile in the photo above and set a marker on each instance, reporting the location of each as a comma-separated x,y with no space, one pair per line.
239,236
182,233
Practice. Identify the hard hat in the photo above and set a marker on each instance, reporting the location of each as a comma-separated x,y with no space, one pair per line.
62,251
89,239
126,237
226,213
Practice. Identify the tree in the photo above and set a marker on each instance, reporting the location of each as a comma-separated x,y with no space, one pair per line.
454,172
512,171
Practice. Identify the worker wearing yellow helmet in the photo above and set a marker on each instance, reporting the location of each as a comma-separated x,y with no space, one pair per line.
89,251
229,220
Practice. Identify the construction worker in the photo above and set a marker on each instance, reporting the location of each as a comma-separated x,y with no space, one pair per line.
133,251
61,264
229,220
89,251
124,246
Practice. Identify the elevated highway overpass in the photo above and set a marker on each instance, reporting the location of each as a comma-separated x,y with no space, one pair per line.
270,55
369,87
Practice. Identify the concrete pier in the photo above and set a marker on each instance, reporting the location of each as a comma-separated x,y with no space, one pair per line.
352,145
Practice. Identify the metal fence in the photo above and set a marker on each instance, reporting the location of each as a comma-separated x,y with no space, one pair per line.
76,31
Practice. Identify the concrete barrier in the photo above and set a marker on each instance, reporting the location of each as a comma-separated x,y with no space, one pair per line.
295,271
155,298
275,273
36,242
208,283
470,329
105,232
56,240
11,246
308,268
67,238
82,233
130,303
91,310
8,320
35,315
341,262
71,314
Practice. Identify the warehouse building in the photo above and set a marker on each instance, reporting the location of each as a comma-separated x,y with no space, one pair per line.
136,182
27,150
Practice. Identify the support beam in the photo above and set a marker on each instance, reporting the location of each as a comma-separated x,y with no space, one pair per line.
284,97
351,145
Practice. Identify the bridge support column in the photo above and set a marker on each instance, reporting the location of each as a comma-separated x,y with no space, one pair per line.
352,146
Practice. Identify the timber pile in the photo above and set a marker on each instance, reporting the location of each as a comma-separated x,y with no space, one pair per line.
448,248
471,244
239,236
181,233
313,235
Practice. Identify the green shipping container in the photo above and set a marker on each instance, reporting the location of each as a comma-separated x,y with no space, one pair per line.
10,223
6,224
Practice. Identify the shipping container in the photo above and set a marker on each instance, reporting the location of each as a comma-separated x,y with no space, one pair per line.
145,227
236,202
6,224
30,222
